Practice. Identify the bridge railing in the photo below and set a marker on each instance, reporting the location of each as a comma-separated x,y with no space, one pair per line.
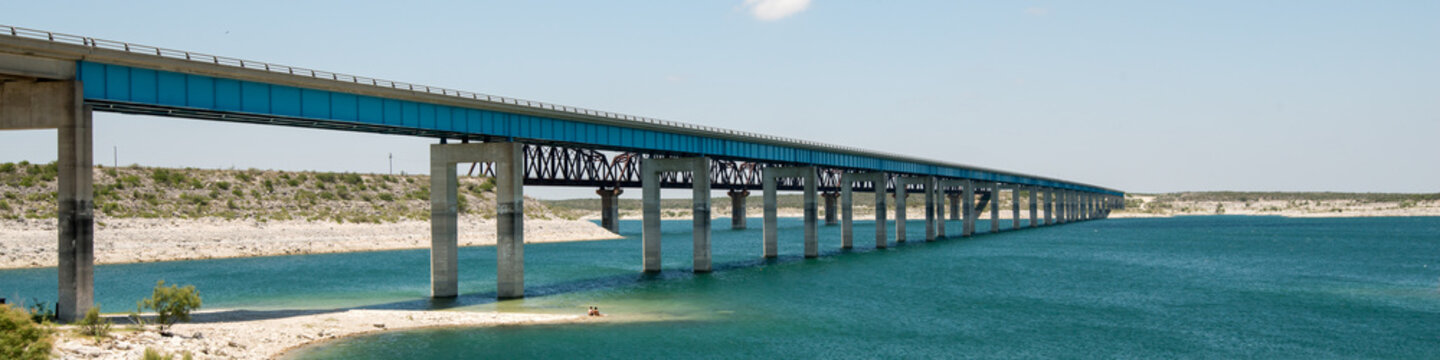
354,79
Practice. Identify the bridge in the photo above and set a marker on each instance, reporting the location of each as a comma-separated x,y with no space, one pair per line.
56,81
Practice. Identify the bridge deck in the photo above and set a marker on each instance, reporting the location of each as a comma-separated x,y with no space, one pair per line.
131,78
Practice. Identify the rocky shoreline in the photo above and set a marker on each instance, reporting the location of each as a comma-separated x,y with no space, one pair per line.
31,243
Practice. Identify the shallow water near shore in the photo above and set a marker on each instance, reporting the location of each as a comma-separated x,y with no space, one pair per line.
1214,286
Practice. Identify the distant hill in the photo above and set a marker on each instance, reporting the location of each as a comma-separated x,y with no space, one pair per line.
27,191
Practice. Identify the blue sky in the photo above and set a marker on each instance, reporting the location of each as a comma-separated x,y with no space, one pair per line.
1142,96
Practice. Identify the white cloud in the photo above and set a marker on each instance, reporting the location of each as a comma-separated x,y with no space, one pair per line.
771,10
1037,11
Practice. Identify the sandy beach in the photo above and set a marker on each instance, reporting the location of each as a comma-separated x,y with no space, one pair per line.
31,243
239,334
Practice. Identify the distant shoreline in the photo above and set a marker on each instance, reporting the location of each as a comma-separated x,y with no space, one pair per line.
31,243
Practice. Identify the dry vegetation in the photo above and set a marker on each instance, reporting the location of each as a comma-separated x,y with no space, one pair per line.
27,191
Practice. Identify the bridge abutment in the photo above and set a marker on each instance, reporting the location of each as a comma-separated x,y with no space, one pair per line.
699,169
29,102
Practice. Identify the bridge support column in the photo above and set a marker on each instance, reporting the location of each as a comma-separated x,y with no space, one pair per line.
995,207
901,194
60,105
1034,209
699,169
847,220
954,206
1060,207
831,217
610,208
737,208
900,208
939,194
967,228
1015,207
509,159
1049,206
930,229
768,176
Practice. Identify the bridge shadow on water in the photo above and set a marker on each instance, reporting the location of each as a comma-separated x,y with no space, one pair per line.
619,281
537,291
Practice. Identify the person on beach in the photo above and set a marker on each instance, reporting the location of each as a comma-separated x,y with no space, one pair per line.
594,311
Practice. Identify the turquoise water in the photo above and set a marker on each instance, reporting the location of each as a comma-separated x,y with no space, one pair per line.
1214,287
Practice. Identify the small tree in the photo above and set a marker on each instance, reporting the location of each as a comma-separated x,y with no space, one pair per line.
21,338
171,304
93,324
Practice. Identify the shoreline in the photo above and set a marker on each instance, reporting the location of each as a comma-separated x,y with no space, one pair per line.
243,337
31,243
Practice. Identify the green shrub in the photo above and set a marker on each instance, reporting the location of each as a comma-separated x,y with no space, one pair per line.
7,168
244,177
4,206
293,182
352,179
269,186
94,325
40,313
325,177
21,338
167,177
387,197
171,304
223,185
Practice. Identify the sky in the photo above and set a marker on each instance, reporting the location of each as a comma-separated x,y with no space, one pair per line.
1140,96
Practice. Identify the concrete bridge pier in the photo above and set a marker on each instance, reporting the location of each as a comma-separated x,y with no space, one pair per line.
995,207
939,194
28,102
509,159
830,215
954,205
901,194
930,228
847,215
610,208
1033,206
1063,206
1015,207
699,169
967,228
768,176
1049,207
737,208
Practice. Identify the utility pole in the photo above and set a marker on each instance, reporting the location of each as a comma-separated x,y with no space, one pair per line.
392,163
115,151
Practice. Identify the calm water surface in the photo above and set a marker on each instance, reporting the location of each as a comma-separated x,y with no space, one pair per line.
1212,287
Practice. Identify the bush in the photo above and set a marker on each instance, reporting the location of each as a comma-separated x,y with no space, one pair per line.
93,324
387,197
171,304
7,168
21,338
325,177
